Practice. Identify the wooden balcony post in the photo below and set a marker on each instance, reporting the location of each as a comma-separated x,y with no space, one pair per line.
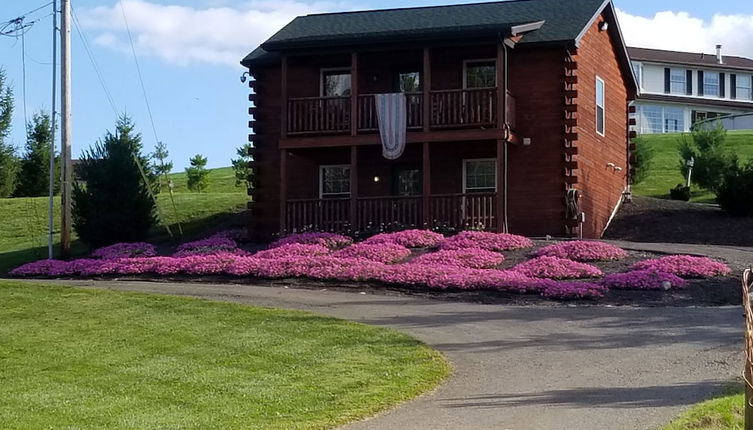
501,189
284,97
353,93
426,85
283,189
353,186
426,171
501,85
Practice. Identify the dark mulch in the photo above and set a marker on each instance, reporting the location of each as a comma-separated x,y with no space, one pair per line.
654,220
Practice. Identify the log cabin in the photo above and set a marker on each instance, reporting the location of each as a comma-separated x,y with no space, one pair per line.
516,118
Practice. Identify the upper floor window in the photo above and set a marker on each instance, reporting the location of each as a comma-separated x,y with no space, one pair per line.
600,106
409,82
638,71
711,84
334,181
677,83
480,175
335,82
479,74
743,87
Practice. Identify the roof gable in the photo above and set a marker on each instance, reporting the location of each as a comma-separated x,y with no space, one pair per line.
690,58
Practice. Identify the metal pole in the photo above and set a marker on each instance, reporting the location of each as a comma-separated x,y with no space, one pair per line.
65,108
51,208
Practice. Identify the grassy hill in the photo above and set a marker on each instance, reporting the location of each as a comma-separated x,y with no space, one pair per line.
665,172
23,231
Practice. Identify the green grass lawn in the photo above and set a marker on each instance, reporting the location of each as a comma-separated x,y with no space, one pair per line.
665,173
23,225
96,359
722,413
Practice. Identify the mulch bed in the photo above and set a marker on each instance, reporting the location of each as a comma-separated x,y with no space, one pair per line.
654,220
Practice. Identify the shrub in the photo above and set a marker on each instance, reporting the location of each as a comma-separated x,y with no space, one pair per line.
582,250
473,258
293,250
735,194
8,159
485,240
241,164
123,250
684,266
409,238
711,158
33,177
380,252
680,192
111,201
643,159
556,268
160,167
643,280
197,175
329,240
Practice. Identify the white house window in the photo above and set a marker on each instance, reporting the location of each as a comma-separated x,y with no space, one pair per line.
335,82
480,175
409,82
334,181
743,87
711,84
638,71
479,74
600,103
674,120
677,83
660,119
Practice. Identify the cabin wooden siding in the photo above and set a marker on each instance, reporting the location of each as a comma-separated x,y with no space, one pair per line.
601,186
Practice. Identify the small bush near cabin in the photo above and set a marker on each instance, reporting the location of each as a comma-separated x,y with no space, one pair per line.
197,174
735,195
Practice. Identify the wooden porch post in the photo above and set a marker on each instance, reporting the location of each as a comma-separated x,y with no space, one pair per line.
283,135
426,119
426,171
283,189
426,84
500,206
353,186
501,84
353,93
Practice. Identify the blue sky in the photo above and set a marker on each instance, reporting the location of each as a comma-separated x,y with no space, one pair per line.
188,51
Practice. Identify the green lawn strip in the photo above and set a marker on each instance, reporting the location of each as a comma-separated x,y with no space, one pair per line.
75,358
725,412
665,172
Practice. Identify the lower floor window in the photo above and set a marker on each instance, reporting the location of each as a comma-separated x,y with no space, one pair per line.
334,181
480,175
661,119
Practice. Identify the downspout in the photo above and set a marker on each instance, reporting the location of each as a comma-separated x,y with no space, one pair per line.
507,136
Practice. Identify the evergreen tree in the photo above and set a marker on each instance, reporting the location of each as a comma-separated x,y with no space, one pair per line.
197,174
161,168
8,158
34,179
111,202
240,165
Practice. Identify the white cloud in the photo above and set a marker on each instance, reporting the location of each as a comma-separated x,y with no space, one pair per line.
185,35
681,31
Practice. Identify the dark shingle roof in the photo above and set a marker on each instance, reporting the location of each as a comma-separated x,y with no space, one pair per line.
689,58
565,20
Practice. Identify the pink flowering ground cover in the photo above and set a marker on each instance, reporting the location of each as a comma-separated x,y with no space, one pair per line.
557,268
329,240
583,250
121,250
486,240
684,266
409,238
380,252
643,280
473,258
210,245
293,250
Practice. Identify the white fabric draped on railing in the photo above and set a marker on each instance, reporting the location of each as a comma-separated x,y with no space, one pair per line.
392,118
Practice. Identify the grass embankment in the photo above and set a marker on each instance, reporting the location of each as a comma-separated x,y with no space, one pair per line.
722,413
96,359
23,221
665,171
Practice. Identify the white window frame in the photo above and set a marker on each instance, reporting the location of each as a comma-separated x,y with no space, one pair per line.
478,60
638,73
321,180
707,74
465,170
684,75
603,106
749,88
333,69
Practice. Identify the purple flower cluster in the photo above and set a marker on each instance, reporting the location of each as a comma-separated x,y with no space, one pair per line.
557,268
685,266
123,250
210,245
486,240
582,250
329,240
293,250
473,258
380,252
643,280
409,238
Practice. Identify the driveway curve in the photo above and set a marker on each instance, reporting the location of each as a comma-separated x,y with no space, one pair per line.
529,368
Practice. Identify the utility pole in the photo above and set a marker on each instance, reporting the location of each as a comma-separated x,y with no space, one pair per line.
65,110
51,208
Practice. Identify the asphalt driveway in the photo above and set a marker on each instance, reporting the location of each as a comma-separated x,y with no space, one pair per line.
530,368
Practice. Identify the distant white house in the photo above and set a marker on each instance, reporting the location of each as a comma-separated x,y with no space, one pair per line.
677,89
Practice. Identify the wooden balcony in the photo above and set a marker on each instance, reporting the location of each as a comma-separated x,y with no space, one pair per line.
455,211
450,109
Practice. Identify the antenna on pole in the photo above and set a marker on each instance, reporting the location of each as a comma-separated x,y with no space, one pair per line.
51,208
65,129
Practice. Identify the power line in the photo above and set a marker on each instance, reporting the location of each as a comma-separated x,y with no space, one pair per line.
24,15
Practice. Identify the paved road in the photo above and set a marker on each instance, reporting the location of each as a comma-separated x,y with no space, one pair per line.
530,368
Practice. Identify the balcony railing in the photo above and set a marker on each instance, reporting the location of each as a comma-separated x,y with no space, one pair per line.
466,108
454,211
